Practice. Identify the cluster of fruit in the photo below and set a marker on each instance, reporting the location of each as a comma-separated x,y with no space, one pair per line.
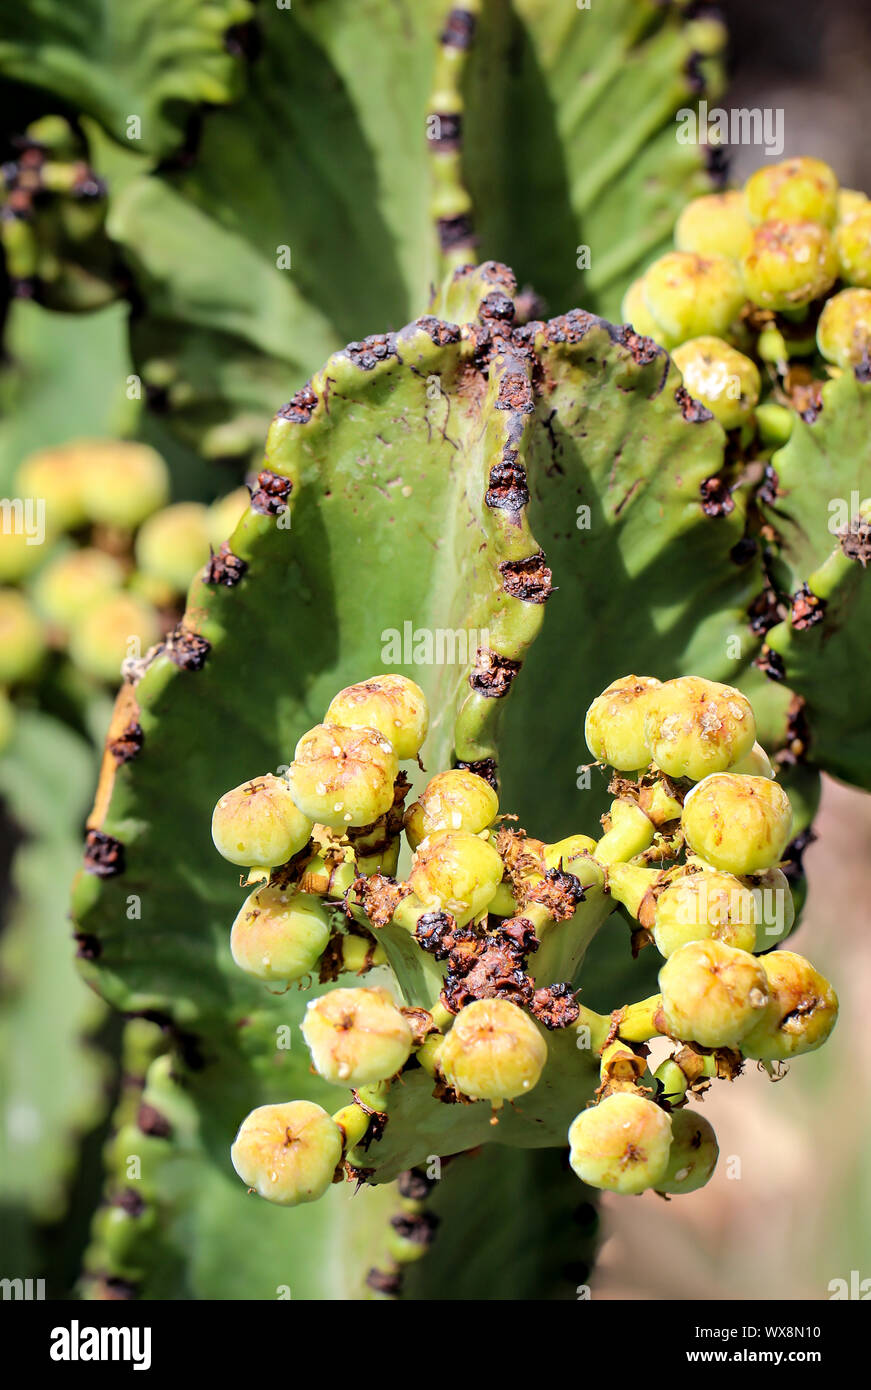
691,850
752,277
93,562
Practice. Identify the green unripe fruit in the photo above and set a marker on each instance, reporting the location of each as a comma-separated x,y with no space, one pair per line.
279,935
453,800
634,311
693,1156
756,763
225,514
115,628
73,583
622,1144
853,241
712,994
56,475
789,264
614,723
572,855
356,1036
705,907
258,824
851,202
122,483
343,777
20,554
22,643
738,824
288,1153
714,225
493,1052
797,190
7,721
844,328
802,1011
393,705
173,544
456,872
775,909
694,727
690,296
719,376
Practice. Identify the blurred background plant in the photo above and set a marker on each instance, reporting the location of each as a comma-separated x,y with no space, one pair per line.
201,203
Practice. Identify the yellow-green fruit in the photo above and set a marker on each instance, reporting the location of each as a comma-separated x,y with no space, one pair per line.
393,705
693,1156
7,721
122,483
738,824
22,643
844,328
173,544
279,934
851,202
756,763
225,514
356,1036
453,800
258,824
705,907
802,1011
622,1144
693,727
56,476
614,723
572,855
343,777
720,377
635,312
714,225
853,240
288,1153
691,296
789,264
493,1051
22,549
74,582
797,190
456,872
712,994
115,628
775,909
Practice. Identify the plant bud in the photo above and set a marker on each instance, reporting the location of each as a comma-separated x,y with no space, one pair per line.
789,264
73,583
714,225
712,994
343,777
614,726
279,935
258,825
456,872
851,202
56,475
19,555
705,907
122,483
800,189
719,376
622,1144
173,544
22,644
493,1052
393,705
634,311
454,800
690,296
288,1153
756,763
693,1156
118,626
844,328
356,1036
738,824
853,240
694,727
802,1011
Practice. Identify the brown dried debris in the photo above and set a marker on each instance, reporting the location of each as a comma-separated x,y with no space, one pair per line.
224,567
459,30
187,650
507,486
493,674
555,1006
379,896
104,855
692,410
855,541
270,496
378,347
559,892
152,1122
807,609
529,579
482,767
717,499
300,407
128,744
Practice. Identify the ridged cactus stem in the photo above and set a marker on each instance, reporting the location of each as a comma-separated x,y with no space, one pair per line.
450,200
